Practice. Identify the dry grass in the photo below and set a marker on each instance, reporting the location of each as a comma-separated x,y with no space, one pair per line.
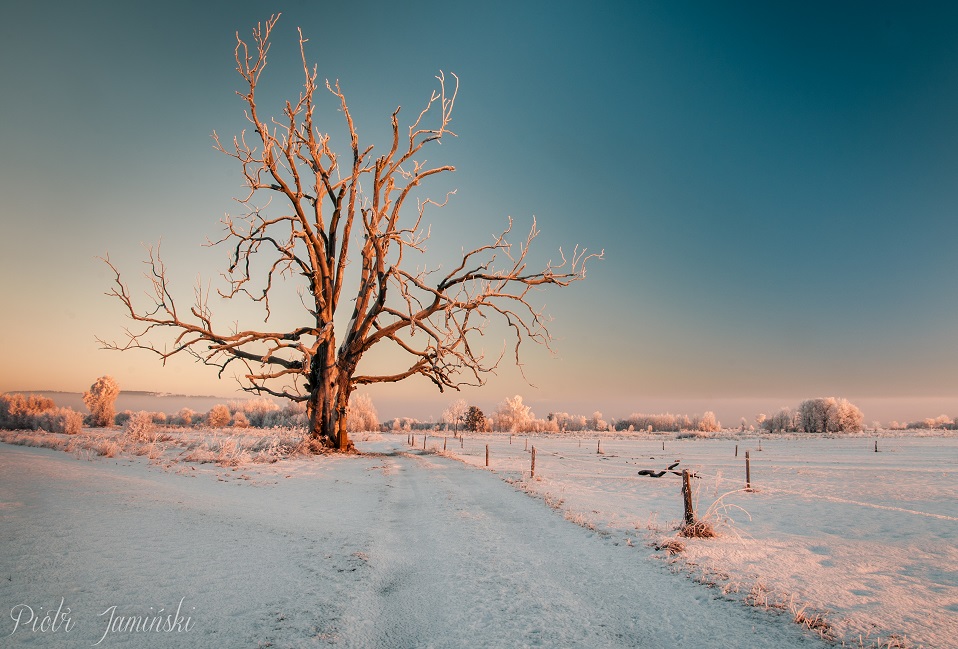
814,621
671,546
698,530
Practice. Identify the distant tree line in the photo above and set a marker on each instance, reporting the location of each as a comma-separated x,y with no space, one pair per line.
821,415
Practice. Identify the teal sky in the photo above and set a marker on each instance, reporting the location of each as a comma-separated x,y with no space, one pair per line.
774,184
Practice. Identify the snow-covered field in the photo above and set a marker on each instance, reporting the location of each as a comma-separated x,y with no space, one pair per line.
863,544
391,549
409,548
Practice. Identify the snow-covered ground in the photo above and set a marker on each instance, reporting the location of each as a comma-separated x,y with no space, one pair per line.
863,544
396,548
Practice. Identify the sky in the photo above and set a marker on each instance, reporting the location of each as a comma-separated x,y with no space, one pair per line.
773,184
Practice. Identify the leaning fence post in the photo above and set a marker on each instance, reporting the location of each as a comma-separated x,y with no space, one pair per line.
424,442
598,446
532,470
748,472
687,497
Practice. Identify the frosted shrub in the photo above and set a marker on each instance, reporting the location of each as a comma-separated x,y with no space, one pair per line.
707,423
240,420
362,413
258,410
19,412
513,416
60,420
218,416
122,417
140,427
184,417
101,400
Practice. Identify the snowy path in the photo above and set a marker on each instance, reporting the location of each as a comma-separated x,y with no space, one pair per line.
390,550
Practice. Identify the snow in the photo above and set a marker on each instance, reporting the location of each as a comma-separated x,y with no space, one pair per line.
866,540
395,548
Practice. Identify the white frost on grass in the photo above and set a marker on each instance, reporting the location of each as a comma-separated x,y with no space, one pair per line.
860,544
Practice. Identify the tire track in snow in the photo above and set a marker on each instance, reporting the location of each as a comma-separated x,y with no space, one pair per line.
458,558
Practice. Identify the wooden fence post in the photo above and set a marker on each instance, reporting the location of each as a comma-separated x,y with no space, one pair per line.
462,441
532,470
487,455
527,443
736,450
424,442
687,497
413,438
598,446
444,443
748,472
876,445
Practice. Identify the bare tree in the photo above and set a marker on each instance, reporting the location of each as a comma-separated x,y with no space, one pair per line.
332,209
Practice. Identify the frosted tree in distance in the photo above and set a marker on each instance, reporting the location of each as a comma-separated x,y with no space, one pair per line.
312,212
101,400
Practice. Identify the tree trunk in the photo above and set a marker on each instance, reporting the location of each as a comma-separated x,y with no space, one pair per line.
328,399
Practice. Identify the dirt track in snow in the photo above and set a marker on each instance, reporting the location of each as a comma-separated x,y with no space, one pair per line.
390,550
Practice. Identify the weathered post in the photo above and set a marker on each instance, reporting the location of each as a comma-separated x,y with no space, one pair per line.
748,472
532,470
444,443
876,445
487,455
736,450
598,446
424,442
527,443
687,497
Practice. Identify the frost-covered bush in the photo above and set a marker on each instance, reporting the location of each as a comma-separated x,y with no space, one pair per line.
218,416
362,413
101,400
184,417
513,416
34,412
19,411
140,428
259,411
707,423
60,420
240,420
